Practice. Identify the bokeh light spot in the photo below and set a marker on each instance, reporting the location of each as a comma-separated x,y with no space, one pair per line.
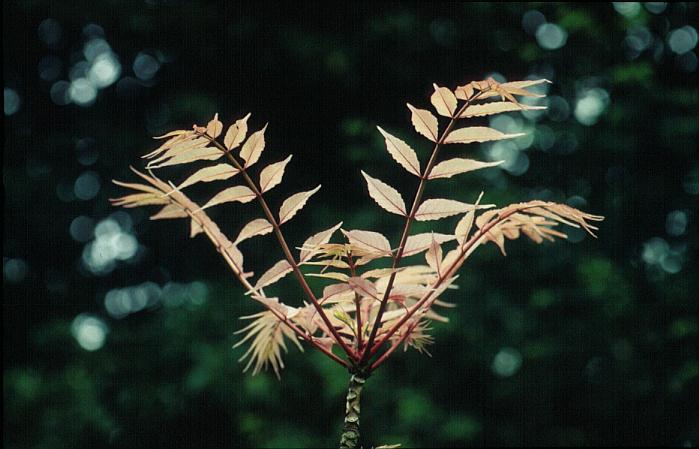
676,223
95,47
657,252
92,30
113,242
688,61
50,31
551,36
89,331
506,362
532,20
105,70
682,39
12,101
82,92
655,7
60,93
515,162
145,66
14,270
87,186
627,9
654,250
590,105
120,302
638,39
81,228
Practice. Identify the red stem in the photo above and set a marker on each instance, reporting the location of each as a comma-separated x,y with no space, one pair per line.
464,250
285,248
357,305
205,222
406,229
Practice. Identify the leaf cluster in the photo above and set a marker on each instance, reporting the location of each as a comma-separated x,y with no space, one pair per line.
367,310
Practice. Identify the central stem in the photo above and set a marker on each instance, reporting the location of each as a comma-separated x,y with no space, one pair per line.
350,430
371,349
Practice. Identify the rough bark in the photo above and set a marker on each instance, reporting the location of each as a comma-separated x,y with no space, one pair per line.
350,430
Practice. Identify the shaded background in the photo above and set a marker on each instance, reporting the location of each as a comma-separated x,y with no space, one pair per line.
118,331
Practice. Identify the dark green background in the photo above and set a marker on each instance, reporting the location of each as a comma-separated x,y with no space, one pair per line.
577,343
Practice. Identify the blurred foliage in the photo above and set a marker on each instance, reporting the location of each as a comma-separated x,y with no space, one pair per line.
585,343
